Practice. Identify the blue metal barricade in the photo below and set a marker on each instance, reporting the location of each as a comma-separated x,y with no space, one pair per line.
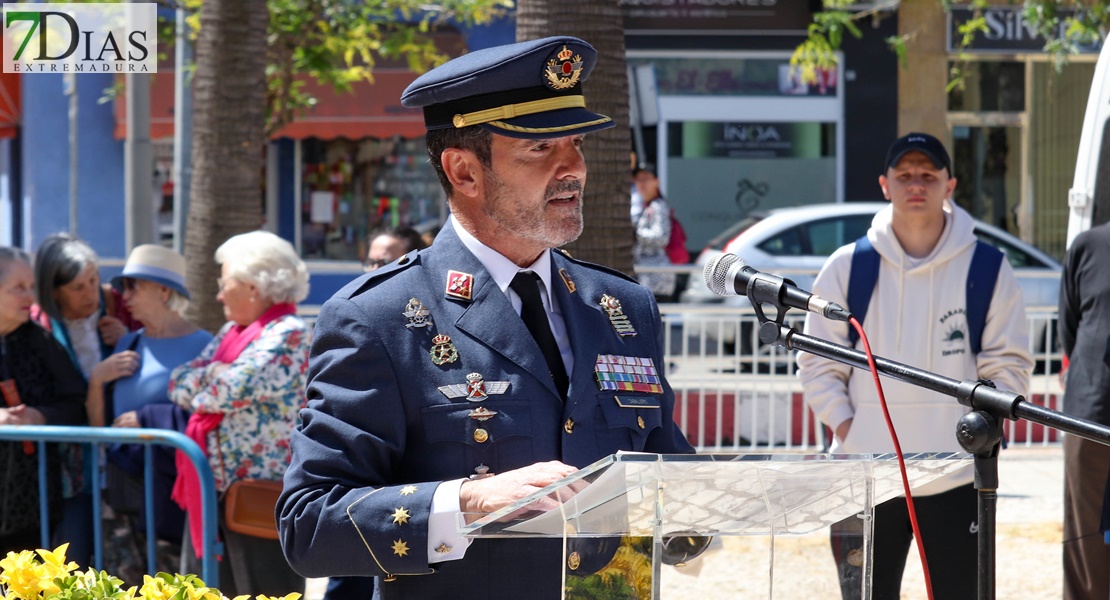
96,436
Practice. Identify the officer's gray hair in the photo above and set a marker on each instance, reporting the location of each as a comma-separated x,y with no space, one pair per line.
473,138
268,262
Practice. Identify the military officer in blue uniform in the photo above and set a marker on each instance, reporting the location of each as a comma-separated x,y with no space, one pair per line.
472,373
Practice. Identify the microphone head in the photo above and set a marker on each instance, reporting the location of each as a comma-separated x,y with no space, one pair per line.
716,274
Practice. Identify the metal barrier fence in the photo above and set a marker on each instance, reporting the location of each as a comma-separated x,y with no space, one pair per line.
732,394
95,437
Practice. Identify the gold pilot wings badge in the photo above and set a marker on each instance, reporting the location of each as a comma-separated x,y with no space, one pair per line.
475,389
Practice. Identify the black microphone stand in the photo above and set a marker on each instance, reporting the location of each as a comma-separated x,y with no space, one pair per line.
979,432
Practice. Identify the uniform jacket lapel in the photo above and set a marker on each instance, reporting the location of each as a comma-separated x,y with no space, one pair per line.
486,317
585,322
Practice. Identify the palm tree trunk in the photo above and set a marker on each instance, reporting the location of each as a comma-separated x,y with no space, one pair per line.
229,106
607,238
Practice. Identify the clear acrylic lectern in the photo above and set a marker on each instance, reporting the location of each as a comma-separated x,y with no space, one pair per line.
771,495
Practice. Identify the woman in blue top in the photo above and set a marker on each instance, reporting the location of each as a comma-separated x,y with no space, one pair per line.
153,284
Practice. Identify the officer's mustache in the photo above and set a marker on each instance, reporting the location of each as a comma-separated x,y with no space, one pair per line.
560,188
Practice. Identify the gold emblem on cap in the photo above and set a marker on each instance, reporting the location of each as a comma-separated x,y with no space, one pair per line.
574,561
400,548
563,71
400,516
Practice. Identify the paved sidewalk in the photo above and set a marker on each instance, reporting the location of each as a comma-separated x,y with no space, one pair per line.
1028,556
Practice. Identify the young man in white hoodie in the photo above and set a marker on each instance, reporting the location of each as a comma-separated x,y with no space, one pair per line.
916,315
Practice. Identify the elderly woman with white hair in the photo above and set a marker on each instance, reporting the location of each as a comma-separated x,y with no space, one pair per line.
138,371
245,390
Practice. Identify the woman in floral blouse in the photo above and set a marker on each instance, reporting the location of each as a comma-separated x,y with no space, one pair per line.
245,390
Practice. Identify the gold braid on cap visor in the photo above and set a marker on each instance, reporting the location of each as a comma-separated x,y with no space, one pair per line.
510,111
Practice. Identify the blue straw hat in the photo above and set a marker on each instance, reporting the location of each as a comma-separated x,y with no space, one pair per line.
154,263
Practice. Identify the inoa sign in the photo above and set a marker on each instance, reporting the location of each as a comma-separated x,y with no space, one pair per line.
1007,31
80,38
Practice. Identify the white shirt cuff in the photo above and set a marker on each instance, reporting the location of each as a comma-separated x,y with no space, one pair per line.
444,541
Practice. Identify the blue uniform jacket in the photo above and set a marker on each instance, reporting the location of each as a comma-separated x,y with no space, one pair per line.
378,435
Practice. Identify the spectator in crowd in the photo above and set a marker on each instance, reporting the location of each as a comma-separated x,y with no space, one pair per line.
924,249
429,235
1084,325
389,245
153,284
87,318
244,390
479,372
653,233
40,386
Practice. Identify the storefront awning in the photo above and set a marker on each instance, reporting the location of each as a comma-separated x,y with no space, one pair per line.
10,104
368,110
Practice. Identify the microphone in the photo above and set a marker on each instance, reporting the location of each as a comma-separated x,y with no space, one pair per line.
728,275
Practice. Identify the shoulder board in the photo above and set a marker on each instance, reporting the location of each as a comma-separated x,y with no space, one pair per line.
594,266
373,278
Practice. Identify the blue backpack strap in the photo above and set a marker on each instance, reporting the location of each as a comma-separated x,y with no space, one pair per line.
982,276
861,282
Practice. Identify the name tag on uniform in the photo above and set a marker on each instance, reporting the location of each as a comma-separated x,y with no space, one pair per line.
637,401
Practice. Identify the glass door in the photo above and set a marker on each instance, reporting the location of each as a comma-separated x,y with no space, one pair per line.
987,163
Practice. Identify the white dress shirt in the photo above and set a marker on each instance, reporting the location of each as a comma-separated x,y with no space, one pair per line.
446,511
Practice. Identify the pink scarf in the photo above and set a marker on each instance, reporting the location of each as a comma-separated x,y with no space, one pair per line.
186,489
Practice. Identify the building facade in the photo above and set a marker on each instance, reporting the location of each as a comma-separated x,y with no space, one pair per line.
716,106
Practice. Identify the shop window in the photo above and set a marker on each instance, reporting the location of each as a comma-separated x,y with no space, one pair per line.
719,172
352,188
990,86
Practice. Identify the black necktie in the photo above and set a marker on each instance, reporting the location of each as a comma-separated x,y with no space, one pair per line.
526,285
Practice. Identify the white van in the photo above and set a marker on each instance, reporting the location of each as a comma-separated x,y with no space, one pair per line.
1089,196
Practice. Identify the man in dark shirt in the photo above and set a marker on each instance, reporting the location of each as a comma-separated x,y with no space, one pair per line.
1084,329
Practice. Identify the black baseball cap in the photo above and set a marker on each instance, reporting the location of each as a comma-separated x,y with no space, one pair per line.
918,142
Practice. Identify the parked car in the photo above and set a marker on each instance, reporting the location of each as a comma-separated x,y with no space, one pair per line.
795,243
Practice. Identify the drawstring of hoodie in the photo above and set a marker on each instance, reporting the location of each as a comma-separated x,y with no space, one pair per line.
901,296
929,315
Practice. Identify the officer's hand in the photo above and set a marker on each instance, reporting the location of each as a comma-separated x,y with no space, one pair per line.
487,494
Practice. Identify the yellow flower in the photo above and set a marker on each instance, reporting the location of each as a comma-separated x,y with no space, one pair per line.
292,596
155,588
54,566
21,575
55,562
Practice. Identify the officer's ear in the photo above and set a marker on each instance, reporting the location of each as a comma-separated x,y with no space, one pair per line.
463,170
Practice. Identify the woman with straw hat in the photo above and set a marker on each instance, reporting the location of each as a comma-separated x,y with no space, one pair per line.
153,287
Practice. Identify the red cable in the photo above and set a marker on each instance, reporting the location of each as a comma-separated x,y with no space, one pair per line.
898,452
